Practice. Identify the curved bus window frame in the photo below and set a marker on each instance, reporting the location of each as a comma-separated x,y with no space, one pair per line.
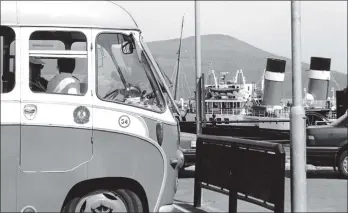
163,108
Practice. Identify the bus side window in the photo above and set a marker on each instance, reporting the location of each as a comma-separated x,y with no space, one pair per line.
64,73
7,56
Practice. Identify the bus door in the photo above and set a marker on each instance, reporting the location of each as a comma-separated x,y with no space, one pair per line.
56,114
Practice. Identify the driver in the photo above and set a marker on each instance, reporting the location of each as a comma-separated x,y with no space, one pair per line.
37,83
64,82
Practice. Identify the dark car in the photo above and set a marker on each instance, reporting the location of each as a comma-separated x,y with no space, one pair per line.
188,148
327,145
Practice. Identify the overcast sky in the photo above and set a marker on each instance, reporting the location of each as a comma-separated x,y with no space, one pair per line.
264,24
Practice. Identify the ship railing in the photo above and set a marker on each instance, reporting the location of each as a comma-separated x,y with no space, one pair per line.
233,111
278,113
314,103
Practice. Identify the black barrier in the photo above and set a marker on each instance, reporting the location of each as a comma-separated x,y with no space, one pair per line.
250,170
237,131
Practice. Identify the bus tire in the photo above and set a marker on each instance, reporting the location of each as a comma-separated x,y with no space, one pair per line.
131,200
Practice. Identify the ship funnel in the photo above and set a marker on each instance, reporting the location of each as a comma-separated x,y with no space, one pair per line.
319,77
273,81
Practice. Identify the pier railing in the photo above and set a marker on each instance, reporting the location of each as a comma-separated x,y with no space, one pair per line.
249,170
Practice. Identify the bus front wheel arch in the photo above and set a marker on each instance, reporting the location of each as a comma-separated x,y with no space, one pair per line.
125,194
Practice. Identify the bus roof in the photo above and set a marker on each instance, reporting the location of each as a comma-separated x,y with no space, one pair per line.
82,14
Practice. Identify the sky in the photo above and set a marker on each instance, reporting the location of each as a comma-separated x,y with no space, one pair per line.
263,24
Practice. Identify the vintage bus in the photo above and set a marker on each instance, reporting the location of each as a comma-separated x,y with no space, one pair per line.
87,122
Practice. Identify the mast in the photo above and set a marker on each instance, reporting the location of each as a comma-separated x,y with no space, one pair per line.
178,63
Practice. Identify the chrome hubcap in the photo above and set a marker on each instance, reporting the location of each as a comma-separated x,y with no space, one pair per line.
345,164
102,202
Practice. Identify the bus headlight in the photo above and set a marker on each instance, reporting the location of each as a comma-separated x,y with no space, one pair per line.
159,133
193,144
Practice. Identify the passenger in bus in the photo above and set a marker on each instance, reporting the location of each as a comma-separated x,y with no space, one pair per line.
64,82
37,83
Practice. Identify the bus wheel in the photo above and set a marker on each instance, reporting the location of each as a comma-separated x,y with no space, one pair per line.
120,200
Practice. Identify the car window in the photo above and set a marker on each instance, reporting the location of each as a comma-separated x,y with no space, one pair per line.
341,121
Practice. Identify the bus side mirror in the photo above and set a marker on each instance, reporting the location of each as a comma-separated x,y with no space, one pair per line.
127,48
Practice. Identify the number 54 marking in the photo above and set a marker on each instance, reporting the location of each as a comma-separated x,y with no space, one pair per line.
124,121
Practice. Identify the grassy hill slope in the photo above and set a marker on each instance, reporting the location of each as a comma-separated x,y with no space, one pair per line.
226,54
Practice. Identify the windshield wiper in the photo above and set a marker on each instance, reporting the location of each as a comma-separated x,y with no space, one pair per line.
123,79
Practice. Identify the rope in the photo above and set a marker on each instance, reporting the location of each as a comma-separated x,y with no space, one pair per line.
126,12
188,87
337,85
172,77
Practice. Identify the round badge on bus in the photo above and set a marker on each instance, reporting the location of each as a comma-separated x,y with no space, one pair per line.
124,121
81,115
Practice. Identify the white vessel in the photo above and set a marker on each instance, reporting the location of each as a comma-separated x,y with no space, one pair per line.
229,99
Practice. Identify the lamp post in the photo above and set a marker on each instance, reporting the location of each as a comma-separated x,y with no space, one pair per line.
297,119
198,68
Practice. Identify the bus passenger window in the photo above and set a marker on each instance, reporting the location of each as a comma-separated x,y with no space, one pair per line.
58,62
7,59
124,74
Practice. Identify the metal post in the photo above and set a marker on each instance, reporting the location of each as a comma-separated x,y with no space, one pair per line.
199,193
1,59
203,108
178,67
198,67
297,119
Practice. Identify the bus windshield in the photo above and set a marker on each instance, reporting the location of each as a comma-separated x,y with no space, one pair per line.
125,75
161,75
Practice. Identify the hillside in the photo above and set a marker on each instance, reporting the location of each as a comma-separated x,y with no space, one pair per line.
227,54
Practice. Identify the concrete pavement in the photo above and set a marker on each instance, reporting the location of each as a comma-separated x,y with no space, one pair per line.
327,192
